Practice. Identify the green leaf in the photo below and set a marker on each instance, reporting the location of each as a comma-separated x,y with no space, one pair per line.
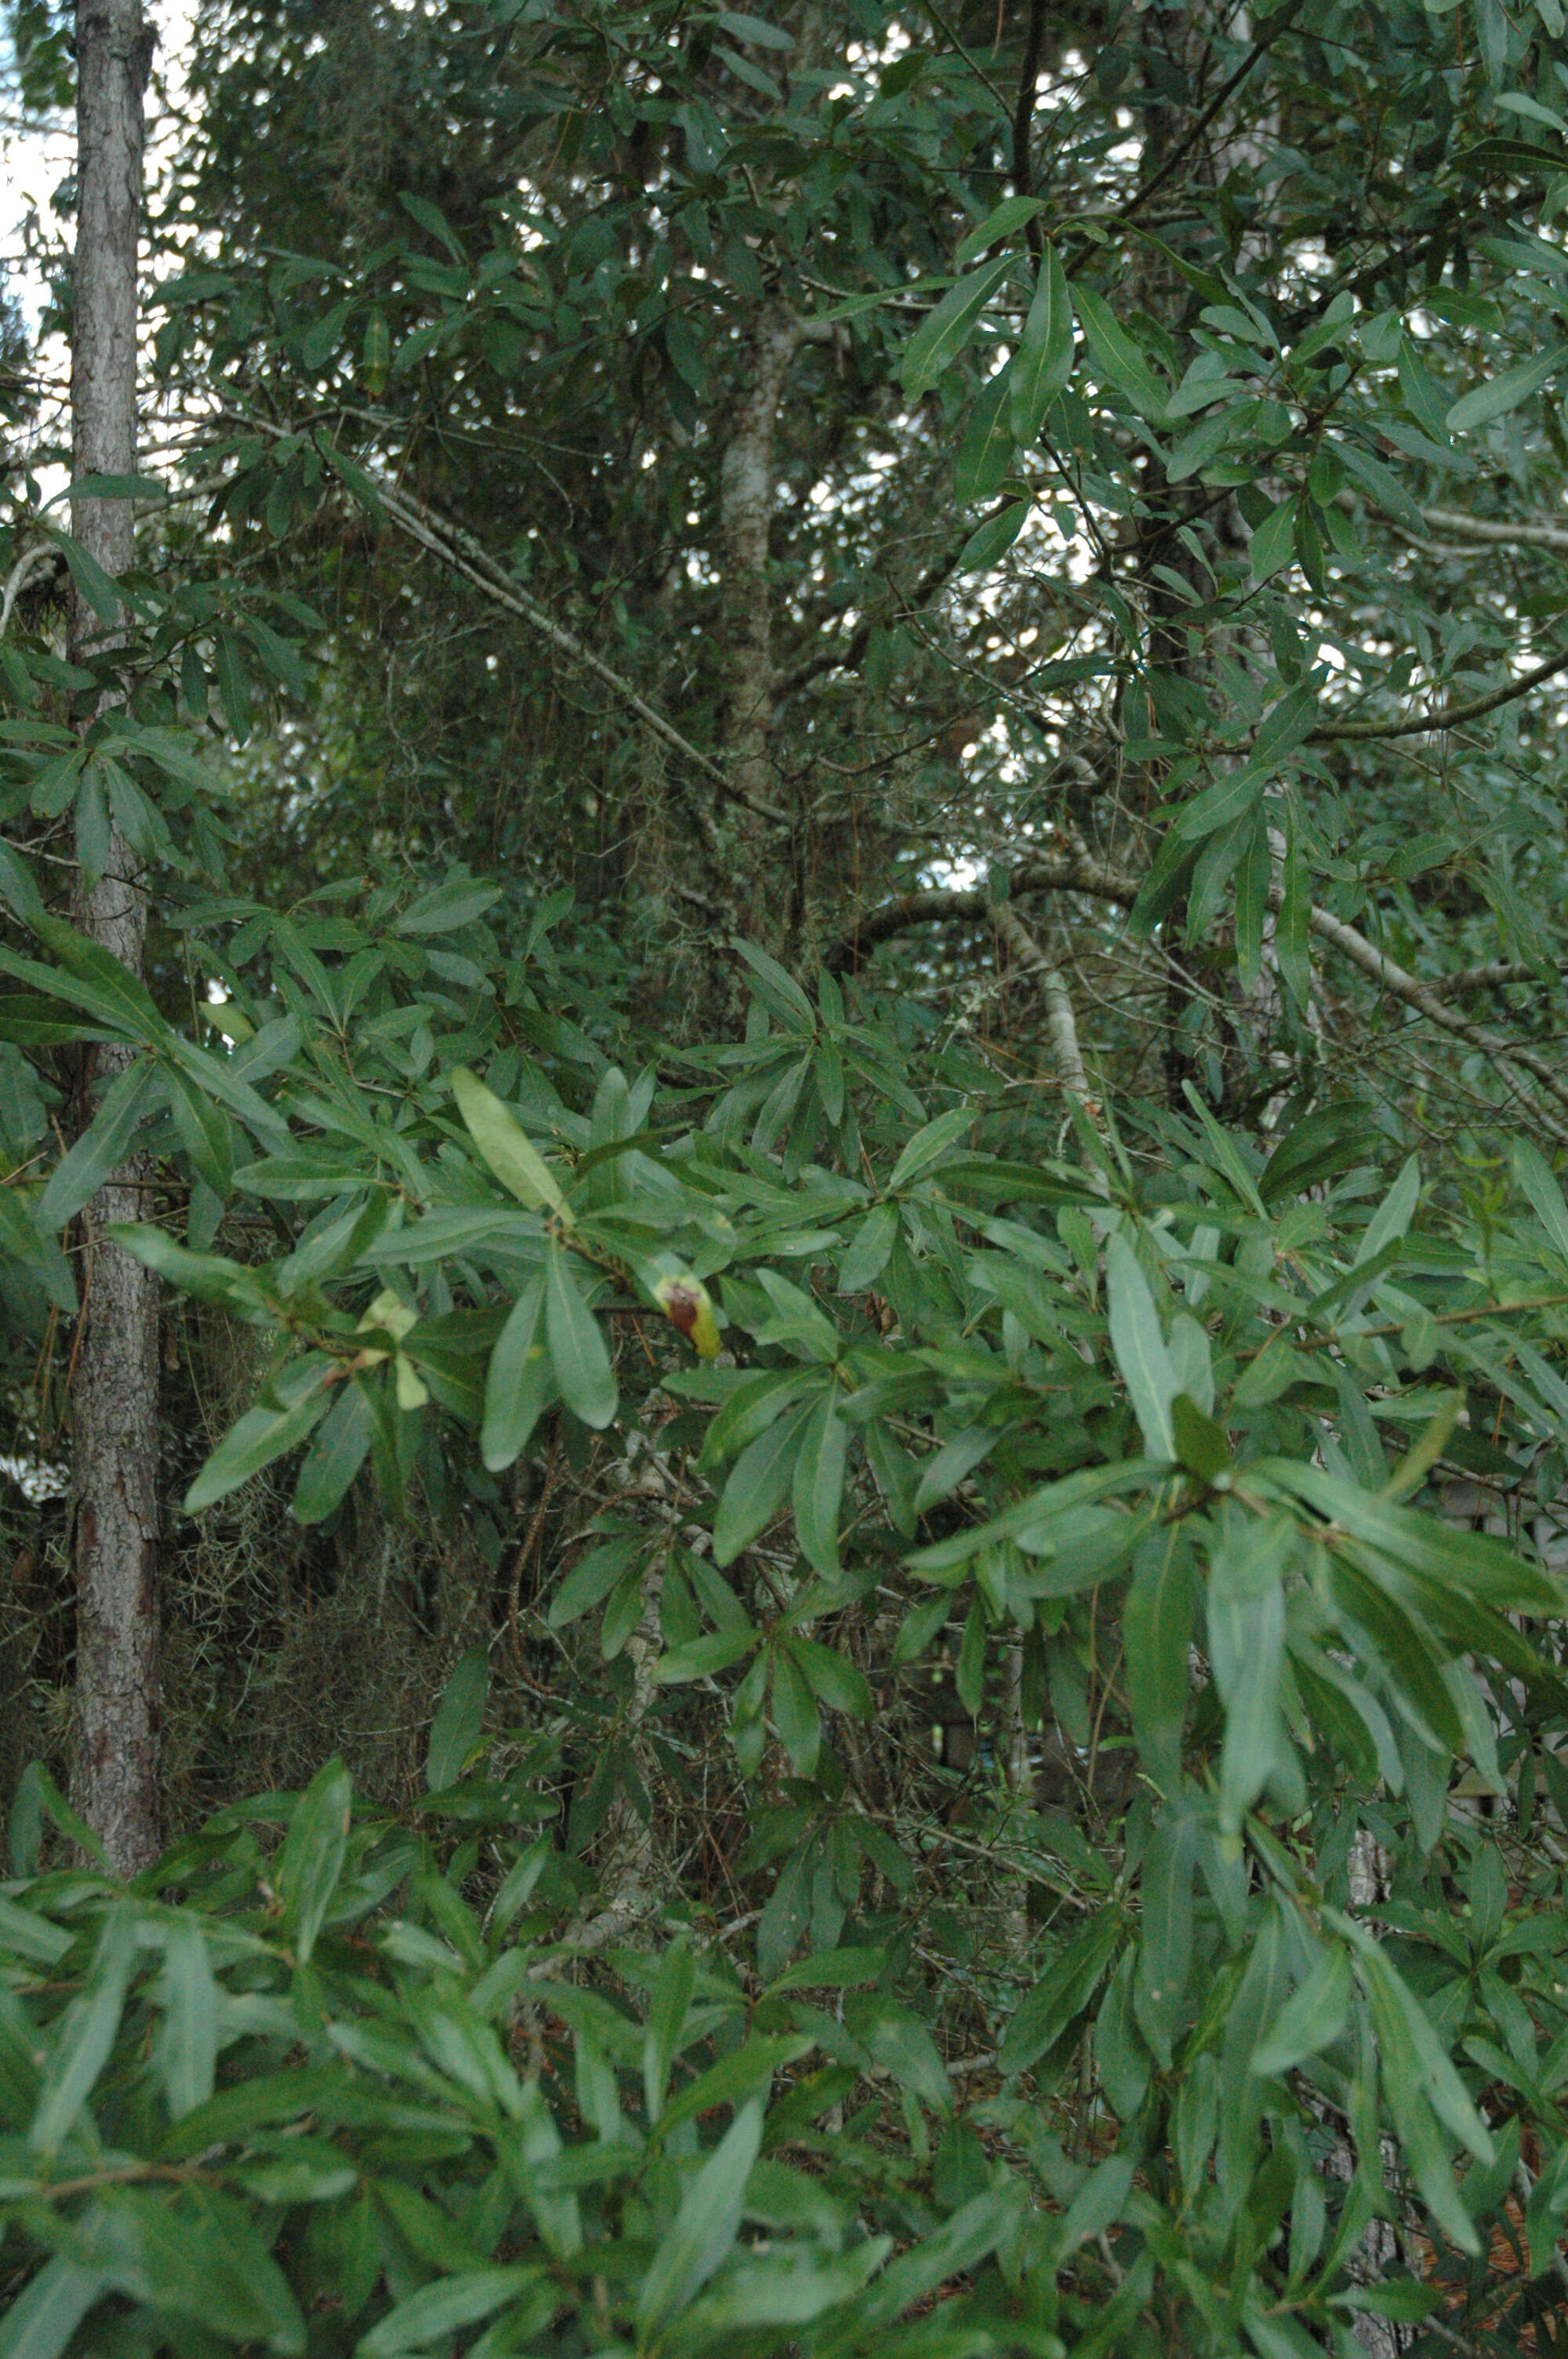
777,989
310,1862
1310,2019
839,1682
457,903
431,219
342,1445
928,1146
41,2319
23,1935
188,2046
1503,393
205,1130
830,1970
1274,542
459,1721
1138,1343
1535,1176
1246,1605
100,591
1441,2085
960,2244
578,1353
84,2036
259,1437
673,1987
1043,363
1117,355
1061,1996
1157,1626
992,539
897,2040
1393,1215
506,1147
759,1483
985,453
705,2227
520,1381
819,1484
866,1256
700,1657
428,2320
937,342
103,1146
1009,215
234,686
200,2258
591,1579
795,1716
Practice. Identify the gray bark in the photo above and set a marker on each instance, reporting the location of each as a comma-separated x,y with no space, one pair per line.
115,1397
746,508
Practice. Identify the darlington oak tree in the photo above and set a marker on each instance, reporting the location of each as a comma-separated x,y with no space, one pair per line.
857,722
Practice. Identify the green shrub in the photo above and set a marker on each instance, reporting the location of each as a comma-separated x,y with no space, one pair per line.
320,2102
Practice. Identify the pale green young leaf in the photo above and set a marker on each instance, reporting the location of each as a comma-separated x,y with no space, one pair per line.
506,1147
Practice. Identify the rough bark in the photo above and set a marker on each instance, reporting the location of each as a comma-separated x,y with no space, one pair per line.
115,1397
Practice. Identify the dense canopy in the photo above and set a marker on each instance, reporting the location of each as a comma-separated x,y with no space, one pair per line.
782,1278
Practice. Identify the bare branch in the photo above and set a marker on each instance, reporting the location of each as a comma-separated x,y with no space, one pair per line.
1060,1022
1077,870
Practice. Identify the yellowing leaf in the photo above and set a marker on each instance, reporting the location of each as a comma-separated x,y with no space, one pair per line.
686,1304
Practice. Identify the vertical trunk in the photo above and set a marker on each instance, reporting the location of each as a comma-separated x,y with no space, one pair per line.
746,508
114,1397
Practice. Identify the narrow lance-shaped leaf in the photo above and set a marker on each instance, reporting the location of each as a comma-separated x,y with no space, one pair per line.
307,1868
260,1436
84,2036
520,1382
1139,1343
937,342
1043,363
459,1719
705,2226
578,1352
506,1147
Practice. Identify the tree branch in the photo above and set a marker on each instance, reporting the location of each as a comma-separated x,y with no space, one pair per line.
1077,870
1060,1021
1023,116
1455,717
463,554
1277,27
1498,535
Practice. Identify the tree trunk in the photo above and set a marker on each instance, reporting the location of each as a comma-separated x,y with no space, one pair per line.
746,487
114,1396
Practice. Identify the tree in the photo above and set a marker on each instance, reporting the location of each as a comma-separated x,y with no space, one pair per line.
116,1387
885,986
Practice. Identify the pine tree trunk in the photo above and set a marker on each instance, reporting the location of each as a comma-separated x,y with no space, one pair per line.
114,1396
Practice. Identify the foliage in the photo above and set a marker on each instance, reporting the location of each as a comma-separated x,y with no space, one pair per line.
245,2105
901,1042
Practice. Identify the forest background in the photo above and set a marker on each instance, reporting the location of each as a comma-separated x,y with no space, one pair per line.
780,1087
